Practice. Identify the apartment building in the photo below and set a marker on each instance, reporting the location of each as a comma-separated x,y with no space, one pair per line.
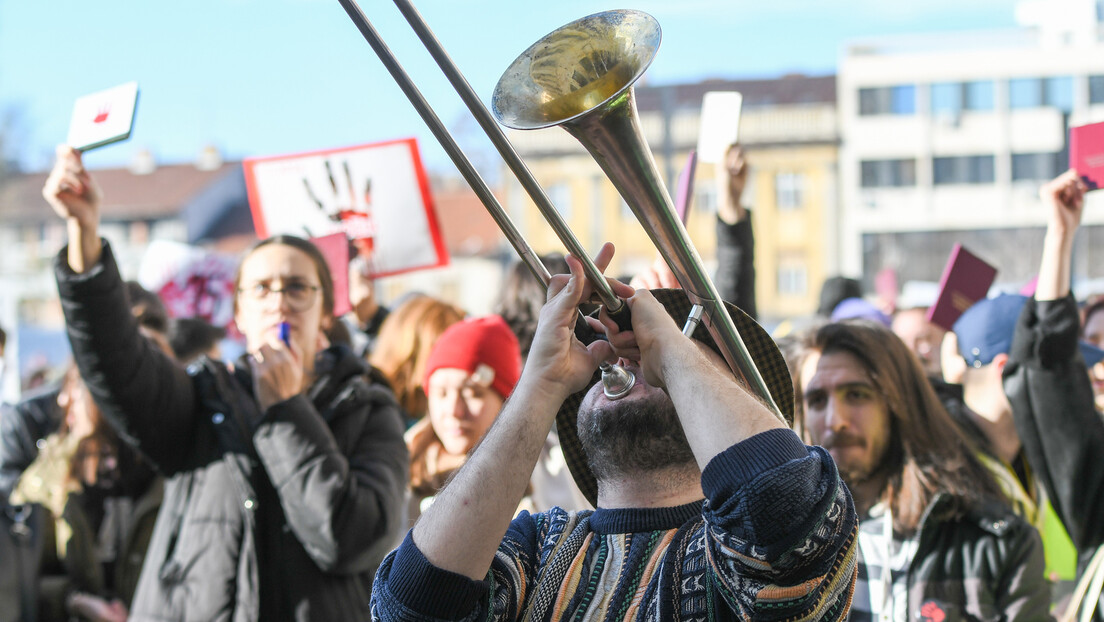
947,138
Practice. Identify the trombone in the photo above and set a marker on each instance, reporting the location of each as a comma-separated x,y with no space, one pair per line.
580,77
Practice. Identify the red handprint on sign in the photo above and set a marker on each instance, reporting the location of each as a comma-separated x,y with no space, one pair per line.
353,213
101,116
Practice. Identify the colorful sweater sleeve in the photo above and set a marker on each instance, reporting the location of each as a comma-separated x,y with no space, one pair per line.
780,530
408,587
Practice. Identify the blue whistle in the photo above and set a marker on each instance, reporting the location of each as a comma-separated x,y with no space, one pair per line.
285,333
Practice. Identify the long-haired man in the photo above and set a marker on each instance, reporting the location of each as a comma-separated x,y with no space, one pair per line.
936,538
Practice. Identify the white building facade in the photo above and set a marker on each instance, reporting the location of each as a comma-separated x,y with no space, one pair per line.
948,137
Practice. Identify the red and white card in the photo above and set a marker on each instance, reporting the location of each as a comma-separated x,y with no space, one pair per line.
103,117
376,194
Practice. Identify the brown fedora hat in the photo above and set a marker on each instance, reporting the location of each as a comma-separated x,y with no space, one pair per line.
768,359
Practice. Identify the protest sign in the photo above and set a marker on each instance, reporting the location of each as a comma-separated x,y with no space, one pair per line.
377,194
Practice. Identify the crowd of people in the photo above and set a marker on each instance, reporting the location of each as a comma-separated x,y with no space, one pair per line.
417,463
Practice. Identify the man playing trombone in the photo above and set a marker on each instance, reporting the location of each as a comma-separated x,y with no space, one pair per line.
708,506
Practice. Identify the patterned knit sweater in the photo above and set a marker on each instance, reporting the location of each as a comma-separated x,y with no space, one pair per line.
775,539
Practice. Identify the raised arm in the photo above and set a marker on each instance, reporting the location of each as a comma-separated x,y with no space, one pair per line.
1047,382
146,396
75,196
735,279
464,527
1064,198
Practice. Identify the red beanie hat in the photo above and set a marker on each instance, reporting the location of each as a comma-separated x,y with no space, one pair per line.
484,347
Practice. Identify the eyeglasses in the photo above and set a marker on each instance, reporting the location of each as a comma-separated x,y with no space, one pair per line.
299,296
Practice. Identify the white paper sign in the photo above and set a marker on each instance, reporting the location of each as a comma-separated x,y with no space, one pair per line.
377,194
720,124
103,117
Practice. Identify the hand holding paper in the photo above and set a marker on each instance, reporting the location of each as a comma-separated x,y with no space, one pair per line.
103,117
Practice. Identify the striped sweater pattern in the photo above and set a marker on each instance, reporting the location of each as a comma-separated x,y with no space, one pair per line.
775,539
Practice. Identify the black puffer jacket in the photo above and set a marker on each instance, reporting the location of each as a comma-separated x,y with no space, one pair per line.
281,515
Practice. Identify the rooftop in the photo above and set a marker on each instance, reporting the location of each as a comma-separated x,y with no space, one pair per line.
788,89
155,195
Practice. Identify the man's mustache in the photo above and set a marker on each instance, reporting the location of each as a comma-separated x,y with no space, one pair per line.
842,440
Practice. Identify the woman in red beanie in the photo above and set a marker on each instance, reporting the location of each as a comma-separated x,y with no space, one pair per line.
470,372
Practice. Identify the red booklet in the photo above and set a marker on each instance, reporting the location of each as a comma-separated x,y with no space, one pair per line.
966,279
1087,153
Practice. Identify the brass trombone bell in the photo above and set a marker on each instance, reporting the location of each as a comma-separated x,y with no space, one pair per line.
576,69
580,78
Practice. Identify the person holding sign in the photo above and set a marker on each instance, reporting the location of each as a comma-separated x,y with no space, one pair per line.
735,240
285,471
735,278
1050,394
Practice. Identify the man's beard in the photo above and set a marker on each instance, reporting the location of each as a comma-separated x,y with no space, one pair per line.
634,435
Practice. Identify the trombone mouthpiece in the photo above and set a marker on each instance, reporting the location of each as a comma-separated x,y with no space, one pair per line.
616,381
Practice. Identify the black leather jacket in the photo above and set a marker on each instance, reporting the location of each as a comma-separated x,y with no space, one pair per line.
987,565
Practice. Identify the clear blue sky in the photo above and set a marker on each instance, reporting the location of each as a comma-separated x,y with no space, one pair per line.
261,77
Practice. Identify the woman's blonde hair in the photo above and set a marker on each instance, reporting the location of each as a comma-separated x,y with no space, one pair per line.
405,340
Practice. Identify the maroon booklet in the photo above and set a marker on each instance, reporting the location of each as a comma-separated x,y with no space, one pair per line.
966,279
1087,153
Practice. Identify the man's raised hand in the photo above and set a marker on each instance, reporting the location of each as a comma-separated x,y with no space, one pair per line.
563,362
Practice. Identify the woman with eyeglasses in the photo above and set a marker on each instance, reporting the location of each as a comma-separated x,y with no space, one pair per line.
285,471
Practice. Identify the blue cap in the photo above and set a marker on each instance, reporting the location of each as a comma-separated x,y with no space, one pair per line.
858,308
1090,353
985,329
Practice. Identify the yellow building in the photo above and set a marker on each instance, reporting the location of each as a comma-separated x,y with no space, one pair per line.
788,128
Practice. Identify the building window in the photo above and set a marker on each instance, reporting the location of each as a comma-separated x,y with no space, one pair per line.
789,190
963,170
1037,92
1096,89
1036,166
1025,93
888,173
560,196
887,100
792,279
979,95
1058,92
946,98
951,98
